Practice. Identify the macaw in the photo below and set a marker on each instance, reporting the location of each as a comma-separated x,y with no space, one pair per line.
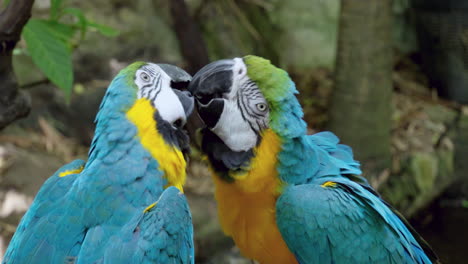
126,203
285,196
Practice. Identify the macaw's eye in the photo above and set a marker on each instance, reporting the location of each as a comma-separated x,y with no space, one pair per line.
262,107
145,77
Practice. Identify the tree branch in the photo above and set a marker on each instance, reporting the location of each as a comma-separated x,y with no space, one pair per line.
13,19
13,104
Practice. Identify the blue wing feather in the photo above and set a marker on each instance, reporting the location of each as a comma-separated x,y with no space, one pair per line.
163,234
339,225
171,221
345,222
25,243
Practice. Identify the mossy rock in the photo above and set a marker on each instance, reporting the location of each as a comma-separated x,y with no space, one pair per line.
424,168
422,178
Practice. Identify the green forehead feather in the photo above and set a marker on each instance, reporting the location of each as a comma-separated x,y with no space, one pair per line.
129,71
279,91
273,82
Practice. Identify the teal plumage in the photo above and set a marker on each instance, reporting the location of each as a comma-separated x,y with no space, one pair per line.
98,214
346,222
324,210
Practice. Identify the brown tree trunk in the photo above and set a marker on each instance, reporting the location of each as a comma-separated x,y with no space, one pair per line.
360,112
191,43
13,104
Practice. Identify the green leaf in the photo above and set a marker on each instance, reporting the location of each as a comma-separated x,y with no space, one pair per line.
49,53
61,31
55,7
103,29
82,22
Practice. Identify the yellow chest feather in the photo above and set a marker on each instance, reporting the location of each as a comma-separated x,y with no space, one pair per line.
246,207
171,160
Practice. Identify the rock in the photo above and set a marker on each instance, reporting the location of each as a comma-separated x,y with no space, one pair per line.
435,142
424,169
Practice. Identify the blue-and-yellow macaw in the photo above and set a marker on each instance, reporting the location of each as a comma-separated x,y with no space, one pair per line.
284,196
125,204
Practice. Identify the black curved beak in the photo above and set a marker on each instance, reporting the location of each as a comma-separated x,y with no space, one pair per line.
208,86
177,74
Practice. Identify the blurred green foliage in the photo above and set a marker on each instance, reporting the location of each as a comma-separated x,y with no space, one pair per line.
465,203
51,41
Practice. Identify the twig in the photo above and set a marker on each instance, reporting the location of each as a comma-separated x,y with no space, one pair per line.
244,20
33,84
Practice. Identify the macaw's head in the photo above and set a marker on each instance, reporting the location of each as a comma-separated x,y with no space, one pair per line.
160,86
241,101
153,99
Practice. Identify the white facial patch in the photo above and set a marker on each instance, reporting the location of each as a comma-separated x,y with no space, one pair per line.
239,77
245,112
155,85
235,131
169,106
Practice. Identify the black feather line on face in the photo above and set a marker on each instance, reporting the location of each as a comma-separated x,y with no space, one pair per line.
158,89
176,137
241,106
222,158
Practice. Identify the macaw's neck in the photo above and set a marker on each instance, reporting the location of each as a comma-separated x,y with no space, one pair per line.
258,172
128,144
171,160
246,204
297,162
277,160
281,160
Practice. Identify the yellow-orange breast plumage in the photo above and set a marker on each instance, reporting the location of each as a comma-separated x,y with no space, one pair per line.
171,160
246,207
